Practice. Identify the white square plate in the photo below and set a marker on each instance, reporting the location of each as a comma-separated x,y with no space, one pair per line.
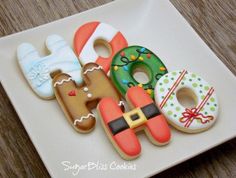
154,24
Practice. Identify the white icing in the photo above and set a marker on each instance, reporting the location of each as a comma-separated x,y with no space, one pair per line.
89,95
92,69
37,69
173,110
104,32
83,117
121,103
62,81
85,89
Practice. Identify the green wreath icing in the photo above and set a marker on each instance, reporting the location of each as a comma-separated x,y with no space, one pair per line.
136,58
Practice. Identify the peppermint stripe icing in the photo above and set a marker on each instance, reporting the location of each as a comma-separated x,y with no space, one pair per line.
210,92
92,69
173,88
62,81
83,117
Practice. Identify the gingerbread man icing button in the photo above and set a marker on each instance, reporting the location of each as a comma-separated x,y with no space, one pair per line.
37,69
121,127
78,101
93,33
187,100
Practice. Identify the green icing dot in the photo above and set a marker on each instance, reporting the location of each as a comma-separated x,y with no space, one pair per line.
174,73
194,85
199,121
212,99
162,89
175,115
165,105
171,97
206,113
202,97
172,104
194,75
177,108
212,109
169,113
206,88
166,81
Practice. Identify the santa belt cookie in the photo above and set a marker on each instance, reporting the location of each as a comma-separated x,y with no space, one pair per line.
78,101
121,127
134,118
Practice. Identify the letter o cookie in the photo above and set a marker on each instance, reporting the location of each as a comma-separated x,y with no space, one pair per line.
136,59
86,36
191,120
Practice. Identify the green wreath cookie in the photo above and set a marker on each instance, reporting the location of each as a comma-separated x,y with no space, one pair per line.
136,59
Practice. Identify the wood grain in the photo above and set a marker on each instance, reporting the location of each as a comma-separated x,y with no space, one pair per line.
214,21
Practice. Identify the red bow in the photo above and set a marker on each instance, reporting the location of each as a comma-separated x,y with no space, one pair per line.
190,114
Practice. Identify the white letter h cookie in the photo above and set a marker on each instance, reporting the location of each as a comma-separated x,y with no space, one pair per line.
37,69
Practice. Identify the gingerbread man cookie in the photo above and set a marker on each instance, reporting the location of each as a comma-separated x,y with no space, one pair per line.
121,127
78,101
37,69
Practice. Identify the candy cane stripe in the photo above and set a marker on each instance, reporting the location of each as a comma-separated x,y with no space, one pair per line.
173,88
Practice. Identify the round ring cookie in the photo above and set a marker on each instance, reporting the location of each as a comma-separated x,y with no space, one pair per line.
134,59
96,32
175,87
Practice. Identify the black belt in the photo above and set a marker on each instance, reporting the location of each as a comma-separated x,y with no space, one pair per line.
120,124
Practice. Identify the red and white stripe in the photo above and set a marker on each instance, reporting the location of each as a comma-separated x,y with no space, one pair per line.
86,36
173,88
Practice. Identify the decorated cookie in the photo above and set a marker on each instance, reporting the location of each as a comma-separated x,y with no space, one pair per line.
121,127
181,85
136,59
90,33
37,69
78,101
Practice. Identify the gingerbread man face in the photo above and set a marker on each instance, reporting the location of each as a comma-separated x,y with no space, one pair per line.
121,127
78,101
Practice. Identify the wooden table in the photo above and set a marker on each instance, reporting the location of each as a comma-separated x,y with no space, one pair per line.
214,21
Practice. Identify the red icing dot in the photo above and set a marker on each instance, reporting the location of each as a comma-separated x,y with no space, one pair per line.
148,55
122,54
72,93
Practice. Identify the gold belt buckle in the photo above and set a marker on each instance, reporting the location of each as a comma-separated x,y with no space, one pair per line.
135,118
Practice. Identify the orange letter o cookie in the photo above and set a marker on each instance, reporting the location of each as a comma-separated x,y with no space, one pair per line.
88,34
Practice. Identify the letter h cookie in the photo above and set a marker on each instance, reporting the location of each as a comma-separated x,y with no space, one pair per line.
121,127
37,69
78,101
